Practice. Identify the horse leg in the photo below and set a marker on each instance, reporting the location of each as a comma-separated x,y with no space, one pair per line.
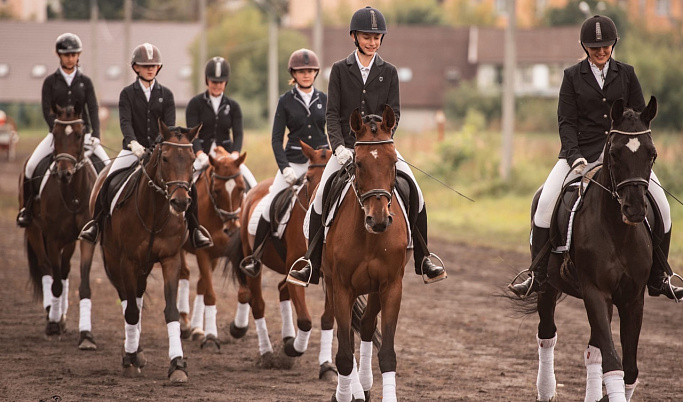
390,298
86,340
631,318
177,371
184,297
131,314
65,269
348,386
198,308
258,307
546,339
55,315
368,324
240,324
206,268
326,338
304,321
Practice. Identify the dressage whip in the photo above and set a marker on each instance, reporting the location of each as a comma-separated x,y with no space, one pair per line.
437,180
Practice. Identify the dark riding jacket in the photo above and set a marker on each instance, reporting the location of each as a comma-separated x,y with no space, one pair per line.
347,92
215,126
56,92
583,111
305,123
139,119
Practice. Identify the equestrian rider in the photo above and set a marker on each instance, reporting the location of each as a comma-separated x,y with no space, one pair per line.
141,105
68,86
588,90
218,115
363,80
301,110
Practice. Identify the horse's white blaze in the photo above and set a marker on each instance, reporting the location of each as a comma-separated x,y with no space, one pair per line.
633,144
230,185
374,153
68,130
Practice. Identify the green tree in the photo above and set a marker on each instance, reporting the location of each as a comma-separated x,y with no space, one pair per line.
414,12
467,13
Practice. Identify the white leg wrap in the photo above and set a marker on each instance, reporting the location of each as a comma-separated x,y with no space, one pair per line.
545,381
84,309
344,388
138,301
132,338
56,309
301,341
175,348
184,296
287,322
47,291
264,345
614,385
326,337
356,388
389,386
65,296
210,320
365,367
593,359
629,390
124,303
242,315
197,320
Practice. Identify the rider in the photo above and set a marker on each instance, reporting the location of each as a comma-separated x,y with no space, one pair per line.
141,105
68,86
588,90
218,115
362,80
301,110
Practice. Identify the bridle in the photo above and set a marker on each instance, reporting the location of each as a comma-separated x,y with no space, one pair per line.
78,162
163,186
225,215
376,192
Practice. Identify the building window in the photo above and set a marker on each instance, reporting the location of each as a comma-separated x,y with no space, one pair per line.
38,71
4,70
185,73
405,74
662,7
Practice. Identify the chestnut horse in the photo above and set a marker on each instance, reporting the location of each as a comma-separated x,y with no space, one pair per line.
147,226
611,254
220,192
294,242
59,215
366,253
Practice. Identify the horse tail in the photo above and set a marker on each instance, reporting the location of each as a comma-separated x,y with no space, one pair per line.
527,305
356,313
35,271
234,254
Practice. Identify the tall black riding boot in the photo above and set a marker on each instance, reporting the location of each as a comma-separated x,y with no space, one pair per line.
310,273
658,284
539,245
25,216
199,236
423,265
251,265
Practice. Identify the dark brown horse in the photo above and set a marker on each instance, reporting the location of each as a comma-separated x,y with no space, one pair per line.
148,226
59,215
366,253
294,243
220,192
611,256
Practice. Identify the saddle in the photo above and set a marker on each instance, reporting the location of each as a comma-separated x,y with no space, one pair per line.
113,183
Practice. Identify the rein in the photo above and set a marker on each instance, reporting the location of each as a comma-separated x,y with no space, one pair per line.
376,192
225,215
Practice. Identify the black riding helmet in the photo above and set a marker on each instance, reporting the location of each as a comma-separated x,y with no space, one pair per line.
367,19
217,69
598,31
68,43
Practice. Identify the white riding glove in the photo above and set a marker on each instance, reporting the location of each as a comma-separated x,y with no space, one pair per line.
289,175
137,149
579,165
203,160
343,154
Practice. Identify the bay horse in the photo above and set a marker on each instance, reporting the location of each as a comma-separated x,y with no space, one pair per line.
611,257
220,192
146,226
59,214
294,244
365,253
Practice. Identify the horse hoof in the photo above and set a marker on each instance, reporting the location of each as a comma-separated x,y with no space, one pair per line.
142,360
52,329
210,342
87,341
236,331
288,343
367,396
131,372
178,377
62,324
197,334
265,361
328,372
177,372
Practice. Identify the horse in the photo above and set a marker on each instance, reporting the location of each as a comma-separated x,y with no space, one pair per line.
366,253
295,246
146,226
220,192
59,214
608,262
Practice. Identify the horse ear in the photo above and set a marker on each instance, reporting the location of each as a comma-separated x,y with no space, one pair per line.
193,132
650,111
78,109
212,160
242,158
617,111
163,129
307,150
356,121
388,118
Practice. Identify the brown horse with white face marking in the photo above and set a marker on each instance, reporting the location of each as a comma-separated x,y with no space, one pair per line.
366,253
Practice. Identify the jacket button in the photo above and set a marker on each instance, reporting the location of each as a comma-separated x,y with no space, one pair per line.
604,100
606,132
604,115
309,126
363,91
309,137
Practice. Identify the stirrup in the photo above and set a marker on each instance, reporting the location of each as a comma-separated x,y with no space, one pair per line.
437,278
250,260
295,281
528,292
671,287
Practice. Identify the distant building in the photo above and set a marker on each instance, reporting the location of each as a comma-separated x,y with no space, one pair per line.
25,10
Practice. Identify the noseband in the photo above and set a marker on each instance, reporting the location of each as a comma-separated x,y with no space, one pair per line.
225,215
377,192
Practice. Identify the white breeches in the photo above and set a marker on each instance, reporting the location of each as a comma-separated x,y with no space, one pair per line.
44,148
278,185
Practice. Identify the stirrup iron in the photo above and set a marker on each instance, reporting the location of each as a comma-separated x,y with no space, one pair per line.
533,278
671,287
422,273
295,281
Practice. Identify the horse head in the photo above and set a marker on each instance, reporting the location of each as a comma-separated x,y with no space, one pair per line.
629,156
227,187
68,141
375,165
171,165
317,160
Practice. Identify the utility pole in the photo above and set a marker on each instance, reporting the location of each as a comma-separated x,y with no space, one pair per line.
509,65
272,63
318,41
127,51
202,45
93,43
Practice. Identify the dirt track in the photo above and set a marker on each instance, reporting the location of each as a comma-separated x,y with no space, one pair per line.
456,340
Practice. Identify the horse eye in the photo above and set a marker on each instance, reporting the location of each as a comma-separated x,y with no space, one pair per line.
164,158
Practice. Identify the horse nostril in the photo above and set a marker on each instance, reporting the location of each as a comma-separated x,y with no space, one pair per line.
369,221
390,220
